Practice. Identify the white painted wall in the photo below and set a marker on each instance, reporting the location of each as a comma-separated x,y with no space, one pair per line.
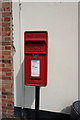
61,22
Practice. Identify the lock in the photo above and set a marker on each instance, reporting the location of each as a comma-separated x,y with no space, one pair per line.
35,57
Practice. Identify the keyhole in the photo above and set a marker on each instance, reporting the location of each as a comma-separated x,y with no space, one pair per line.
35,55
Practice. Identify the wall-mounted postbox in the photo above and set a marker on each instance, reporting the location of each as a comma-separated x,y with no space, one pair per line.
35,57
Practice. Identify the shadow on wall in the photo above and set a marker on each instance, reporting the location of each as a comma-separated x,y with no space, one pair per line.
66,110
24,94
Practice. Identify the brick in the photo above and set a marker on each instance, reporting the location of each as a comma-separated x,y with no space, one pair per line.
11,112
10,103
7,93
0,110
7,29
1,19
3,89
4,14
1,29
7,8
7,47
1,57
6,38
1,9
4,96
6,78
1,70
6,43
5,24
3,103
5,61
0,103
6,83
8,65
2,65
2,47
9,90
0,3
0,33
5,33
4,110
6,52
0,37
8,74
6,69
0,52
3,99
7,19
2,74
1,22
7,57
9,108
9,97
0,93
5,4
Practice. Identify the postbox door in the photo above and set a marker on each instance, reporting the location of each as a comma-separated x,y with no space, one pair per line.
35,70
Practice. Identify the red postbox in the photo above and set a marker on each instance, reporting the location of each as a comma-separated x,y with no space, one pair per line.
35,57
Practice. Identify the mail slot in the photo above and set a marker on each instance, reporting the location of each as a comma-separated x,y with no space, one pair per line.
35,57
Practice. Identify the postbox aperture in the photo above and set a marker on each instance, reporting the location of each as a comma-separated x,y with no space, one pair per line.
35,57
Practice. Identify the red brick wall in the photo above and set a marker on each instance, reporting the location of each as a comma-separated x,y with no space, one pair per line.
6,58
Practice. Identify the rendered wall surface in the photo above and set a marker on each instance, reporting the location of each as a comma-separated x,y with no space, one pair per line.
61,22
